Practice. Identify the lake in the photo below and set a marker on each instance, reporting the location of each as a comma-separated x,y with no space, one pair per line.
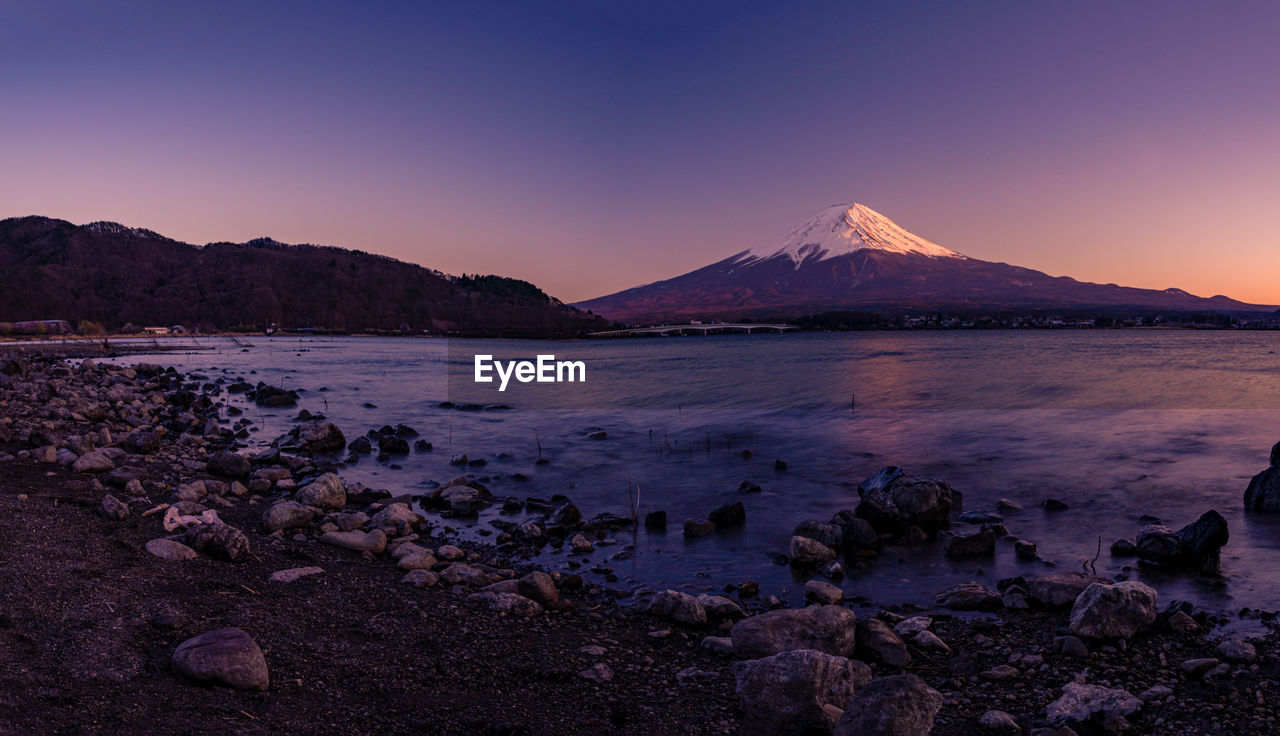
1117,424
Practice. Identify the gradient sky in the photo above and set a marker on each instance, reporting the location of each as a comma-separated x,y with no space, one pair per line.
593,146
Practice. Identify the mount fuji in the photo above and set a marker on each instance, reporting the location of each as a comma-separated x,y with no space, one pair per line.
852,257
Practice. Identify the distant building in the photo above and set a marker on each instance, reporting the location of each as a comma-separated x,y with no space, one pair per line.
155,330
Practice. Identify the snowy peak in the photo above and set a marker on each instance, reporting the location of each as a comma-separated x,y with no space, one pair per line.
842,229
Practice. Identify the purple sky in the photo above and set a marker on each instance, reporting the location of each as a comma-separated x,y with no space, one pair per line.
589,147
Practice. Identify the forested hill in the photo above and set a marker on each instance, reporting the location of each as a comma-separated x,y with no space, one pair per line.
114,275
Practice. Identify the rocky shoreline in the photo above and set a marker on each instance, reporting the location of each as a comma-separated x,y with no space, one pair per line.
159,578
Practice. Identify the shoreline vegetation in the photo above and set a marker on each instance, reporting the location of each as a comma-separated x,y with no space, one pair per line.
159,576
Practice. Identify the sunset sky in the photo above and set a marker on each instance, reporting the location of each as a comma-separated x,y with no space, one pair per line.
593,146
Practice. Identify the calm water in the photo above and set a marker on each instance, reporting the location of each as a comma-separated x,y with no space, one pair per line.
1116,423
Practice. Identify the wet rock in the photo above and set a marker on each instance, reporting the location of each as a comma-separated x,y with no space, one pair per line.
287,515
820,592
580,544
902,705
113,508
796,692
829,535
969,596
1081,702
855,533
1053,504
167,549
1123,548
374,542
1200,541
729,515
1113,611
326,492
229,464
1060,589
808,552
219,541
893,501
694,528
321,437
656,521
876,642
1026,550
93,462
293,574
1263,493
829,629
225,656
508,604
678,606
969,544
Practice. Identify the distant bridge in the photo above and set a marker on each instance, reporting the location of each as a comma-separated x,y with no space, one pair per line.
695,327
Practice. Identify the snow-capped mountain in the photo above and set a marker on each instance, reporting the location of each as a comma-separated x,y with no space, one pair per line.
852,257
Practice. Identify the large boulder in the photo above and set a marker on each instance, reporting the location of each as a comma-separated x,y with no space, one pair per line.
678,606
877,642
797,692
224,656
287,515
326,492
1113,611
1263,493
1195,545
894,501
830,629
93,462
1059,589
321,437
828,535
1081,703
229,464
969,544
902,705
398,518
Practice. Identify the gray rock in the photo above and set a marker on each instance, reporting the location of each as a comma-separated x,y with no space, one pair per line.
820,592
829,629
397,517
460,573
877,642
796,692
321,437
418,561
828,535
167,549
287,515
225,656
969,596
1263,493
1113,611
540,587
1060,588
998,722
420,578
678,606
694,528
351,521
718,644
1235,650
1200,542
92,462
293,574
719,607
1081,702
808,552
374,542
902,705
219,541
326,492
229,464
969,544
598,672
113,508
509,604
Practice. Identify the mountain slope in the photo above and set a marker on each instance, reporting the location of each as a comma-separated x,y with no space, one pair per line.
852,257
111,274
